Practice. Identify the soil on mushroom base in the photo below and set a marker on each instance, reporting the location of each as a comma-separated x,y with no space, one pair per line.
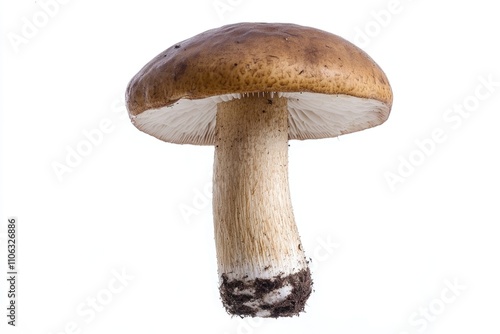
237,303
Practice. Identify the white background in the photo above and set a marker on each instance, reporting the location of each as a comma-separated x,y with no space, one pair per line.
383,256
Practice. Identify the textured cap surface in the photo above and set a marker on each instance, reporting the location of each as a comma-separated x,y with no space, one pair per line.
174,96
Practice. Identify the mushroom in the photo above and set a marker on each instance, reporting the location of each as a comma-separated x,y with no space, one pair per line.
247,89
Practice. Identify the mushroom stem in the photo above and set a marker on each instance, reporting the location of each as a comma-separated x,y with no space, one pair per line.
262,267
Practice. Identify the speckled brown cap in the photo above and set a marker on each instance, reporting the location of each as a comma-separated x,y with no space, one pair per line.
333,87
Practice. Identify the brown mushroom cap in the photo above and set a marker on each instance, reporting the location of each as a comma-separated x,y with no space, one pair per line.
333,87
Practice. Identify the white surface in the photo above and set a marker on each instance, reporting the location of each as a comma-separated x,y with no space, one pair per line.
121,240
311,116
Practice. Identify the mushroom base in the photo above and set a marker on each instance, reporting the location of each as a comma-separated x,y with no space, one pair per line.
280,296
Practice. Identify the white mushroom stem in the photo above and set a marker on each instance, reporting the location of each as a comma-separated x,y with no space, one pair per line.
261,262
